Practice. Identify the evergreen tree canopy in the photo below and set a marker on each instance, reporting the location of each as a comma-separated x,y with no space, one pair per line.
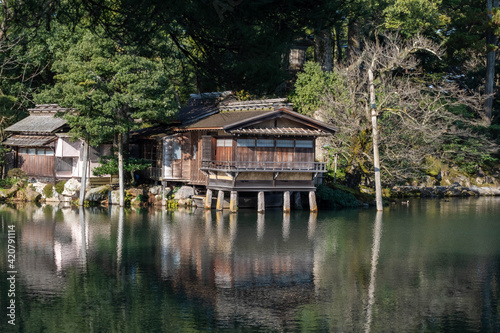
109,87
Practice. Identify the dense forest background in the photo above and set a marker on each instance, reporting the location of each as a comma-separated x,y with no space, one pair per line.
434,66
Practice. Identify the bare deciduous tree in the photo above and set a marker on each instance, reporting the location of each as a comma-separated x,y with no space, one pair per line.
416,116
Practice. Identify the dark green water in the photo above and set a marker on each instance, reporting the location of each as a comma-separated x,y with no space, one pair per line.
432,266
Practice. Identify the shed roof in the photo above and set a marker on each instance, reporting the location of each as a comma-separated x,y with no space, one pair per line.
37,124
29,140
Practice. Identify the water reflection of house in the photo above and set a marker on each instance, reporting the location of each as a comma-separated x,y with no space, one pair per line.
239,275
42,148
54,241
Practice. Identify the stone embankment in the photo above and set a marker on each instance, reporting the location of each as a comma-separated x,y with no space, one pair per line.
454,190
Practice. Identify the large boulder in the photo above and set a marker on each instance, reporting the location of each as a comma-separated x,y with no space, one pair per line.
98,194
32,195
71,188
156,190
114,197
184,193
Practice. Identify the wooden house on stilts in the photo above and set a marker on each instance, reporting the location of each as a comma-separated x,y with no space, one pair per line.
229,146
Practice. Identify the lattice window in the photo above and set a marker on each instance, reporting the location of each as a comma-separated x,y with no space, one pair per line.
284,143
246,143
224,142
265,143
303,144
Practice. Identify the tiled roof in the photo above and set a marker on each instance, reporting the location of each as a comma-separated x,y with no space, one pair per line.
41,120
46,109
201,106
29,140
293,131
221,119
263,104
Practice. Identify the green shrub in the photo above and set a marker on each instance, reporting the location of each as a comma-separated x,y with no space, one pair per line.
7,183
128,198
60,186
16,173
141,198
48,191
329,198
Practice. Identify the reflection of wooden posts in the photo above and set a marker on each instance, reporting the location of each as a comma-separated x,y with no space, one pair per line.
312,202
220,226
311,225
286,226
260,226
286,202
233,203
208,199
220,200
233,226
261,204
208,222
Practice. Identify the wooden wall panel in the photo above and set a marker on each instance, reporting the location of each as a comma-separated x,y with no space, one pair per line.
36,165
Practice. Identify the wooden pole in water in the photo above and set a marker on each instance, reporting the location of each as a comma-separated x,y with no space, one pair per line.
220,200
312,202
286,202
233,202
261,204
208,199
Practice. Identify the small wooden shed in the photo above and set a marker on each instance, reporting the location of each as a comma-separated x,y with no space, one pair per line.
42,147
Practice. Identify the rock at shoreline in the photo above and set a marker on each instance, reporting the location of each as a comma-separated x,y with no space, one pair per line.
71,188
184,193
98,194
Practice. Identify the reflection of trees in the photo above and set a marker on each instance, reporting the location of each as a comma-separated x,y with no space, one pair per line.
192,270
435,272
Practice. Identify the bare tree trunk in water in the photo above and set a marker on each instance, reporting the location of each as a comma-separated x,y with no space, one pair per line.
121,179
323,49
376,158
491,41
85,159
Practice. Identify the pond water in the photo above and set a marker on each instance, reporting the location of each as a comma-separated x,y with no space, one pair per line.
430,266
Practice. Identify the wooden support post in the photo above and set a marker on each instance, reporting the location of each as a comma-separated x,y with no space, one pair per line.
233,203
312,202
261,203
220,200
286,202
208,199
